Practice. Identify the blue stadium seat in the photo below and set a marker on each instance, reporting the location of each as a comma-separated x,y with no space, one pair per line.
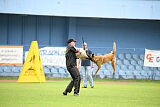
50,67
128,56
146,68
56,67
119,62
101,75
129,74
105,65
142,57
136,57
126,62
47,71
121,56
7,69
107,74
19,68
155,69
149,73
131,68
55,72
15,69
116,75
144,74
1,69
102,68
124,67
152,68
62,72
133,62
99,54
158,73
117,67
95,68
122,74
137,74
140,62
109,68
68,74
157,76
138,68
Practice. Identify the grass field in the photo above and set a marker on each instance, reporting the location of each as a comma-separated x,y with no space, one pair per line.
49,94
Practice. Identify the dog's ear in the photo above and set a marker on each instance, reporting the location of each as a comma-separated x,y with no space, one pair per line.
92,55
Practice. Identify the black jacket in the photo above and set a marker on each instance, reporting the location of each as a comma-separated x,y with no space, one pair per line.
71,56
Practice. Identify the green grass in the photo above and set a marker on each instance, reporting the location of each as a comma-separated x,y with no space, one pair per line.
95,79
13,94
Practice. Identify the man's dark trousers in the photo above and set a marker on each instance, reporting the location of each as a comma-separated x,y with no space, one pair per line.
76,80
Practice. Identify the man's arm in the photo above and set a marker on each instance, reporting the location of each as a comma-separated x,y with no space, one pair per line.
79,61
74,49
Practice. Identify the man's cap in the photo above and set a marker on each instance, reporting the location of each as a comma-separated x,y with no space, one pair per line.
71,40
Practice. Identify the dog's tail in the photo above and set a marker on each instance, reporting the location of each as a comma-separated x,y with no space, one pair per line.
114,48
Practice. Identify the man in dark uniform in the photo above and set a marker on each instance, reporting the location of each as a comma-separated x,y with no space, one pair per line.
71,65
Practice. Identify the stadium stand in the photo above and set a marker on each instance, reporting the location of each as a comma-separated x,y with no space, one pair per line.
54,72
1,69
62,72
158,74
47,71
121,56
128,56
128,66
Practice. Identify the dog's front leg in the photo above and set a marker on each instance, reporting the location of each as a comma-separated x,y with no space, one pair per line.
97,70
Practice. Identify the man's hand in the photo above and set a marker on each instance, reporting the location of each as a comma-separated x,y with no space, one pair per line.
78,67
92,66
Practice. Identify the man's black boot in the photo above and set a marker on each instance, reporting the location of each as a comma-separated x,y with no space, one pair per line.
65,92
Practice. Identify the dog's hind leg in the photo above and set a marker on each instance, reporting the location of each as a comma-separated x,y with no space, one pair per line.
99,66
113,65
